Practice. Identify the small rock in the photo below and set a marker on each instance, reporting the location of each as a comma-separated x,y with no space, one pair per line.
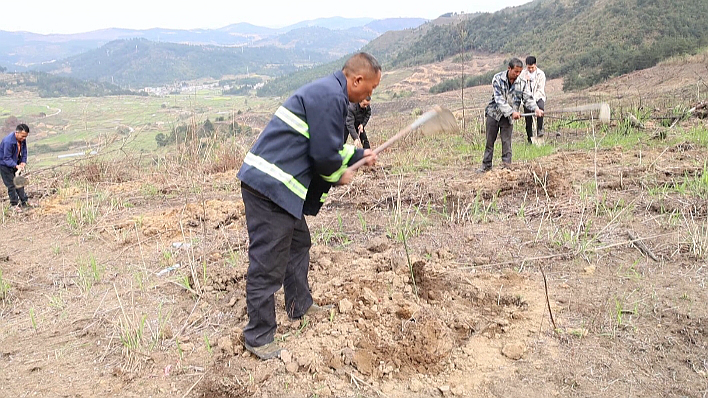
415,385
325,262
292,367
406,309
286,356
400,264
590,269
187,347
335,362
445,390
368,297
224,343
304,360
481,260
232,301
514,350
348,355
379,244
443,254
345,306
369,314
458,390
261,374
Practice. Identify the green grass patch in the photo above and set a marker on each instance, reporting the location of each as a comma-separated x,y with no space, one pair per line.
528,152
699,135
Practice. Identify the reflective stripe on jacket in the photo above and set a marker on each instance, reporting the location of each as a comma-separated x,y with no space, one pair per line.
300,153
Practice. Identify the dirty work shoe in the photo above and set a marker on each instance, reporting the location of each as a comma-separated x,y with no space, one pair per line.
16,208
540,133
27,205
483,170
268,351
318,309
506,166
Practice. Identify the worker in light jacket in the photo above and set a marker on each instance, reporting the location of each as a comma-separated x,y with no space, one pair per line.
536,81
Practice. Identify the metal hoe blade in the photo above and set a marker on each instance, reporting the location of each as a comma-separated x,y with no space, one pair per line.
601,109
20,181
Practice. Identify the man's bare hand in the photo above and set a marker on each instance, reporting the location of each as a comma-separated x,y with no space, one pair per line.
370,157
515,115
347,177
21,167
357,143
539,112
361,128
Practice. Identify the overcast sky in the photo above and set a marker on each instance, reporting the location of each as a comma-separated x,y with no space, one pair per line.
76,16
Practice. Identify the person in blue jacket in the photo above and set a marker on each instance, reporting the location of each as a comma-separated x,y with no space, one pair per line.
286,175
14,158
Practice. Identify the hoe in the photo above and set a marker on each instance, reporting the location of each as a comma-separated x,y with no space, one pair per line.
438,119
602,109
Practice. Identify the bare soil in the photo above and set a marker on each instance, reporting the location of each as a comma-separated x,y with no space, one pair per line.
133,284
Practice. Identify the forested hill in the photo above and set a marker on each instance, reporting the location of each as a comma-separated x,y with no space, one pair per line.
137,63
586,41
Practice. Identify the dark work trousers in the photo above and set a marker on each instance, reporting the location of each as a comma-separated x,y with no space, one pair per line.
16,194
279,255
364,140
529,120
362,137
503,128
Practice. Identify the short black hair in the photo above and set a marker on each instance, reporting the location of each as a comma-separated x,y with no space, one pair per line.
22,127
515,62
361,62
530,60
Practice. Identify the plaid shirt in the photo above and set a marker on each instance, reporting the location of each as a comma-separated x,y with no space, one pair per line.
505,98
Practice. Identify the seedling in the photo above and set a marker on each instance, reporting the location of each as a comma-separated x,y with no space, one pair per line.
207,344
33,319
4,287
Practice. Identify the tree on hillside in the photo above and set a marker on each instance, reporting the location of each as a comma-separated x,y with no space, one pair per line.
10,124
585,41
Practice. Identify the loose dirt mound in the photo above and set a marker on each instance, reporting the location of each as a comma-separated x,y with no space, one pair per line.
173,223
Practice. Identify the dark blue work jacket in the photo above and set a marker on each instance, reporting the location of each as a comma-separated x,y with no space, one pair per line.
301,153
11,157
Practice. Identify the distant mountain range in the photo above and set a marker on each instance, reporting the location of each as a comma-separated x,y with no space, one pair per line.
333,37
139,63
